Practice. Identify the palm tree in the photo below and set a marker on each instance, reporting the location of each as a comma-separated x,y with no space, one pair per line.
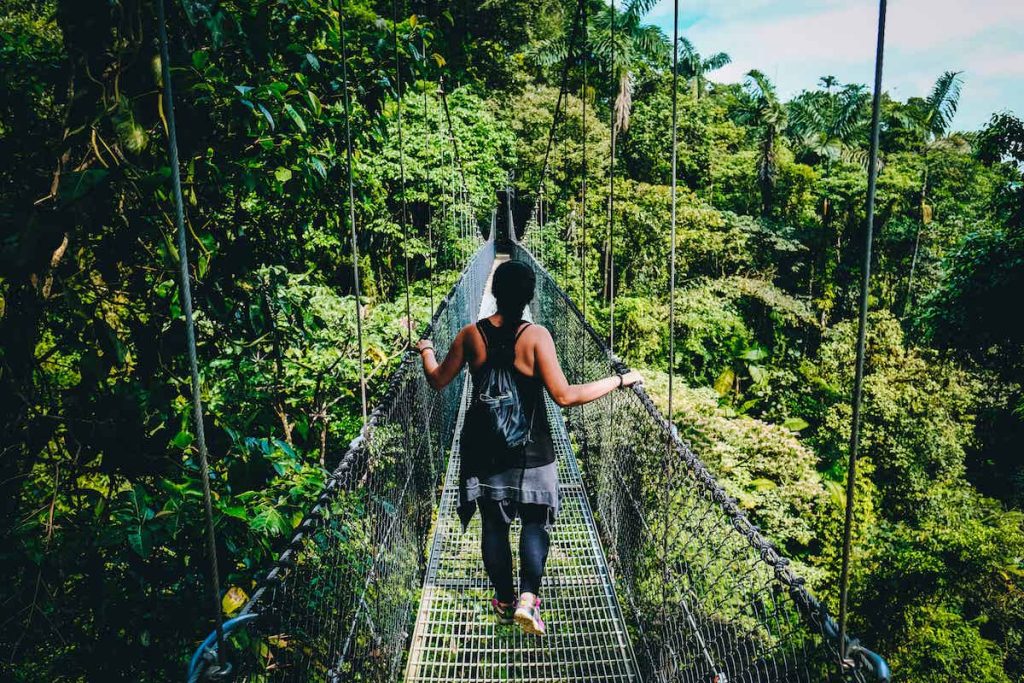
619,37
931,119
827,124
767,115
695,68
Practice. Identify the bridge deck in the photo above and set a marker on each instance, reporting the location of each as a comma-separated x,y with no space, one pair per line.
456,637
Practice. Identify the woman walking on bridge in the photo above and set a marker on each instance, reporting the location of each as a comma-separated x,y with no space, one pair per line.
507,451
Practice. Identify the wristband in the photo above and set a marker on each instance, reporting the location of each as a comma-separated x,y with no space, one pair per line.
428,348
621,381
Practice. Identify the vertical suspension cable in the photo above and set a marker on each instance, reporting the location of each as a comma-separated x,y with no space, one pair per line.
443,140
570,220
667,464
454,213
190,328
858,382
401,168
457,159
563,95
610,255
458,168
430,213
352,207
583,189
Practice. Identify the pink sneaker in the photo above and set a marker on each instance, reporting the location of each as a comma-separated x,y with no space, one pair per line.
528,617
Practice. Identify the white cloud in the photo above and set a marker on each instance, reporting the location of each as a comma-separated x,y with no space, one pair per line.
797,41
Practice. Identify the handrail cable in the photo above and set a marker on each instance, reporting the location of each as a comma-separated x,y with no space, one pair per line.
401,169
190,328
352,208
743,623
862,324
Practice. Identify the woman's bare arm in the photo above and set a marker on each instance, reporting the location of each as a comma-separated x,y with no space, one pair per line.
564,394
439,375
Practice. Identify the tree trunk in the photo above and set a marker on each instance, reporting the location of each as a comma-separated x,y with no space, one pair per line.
917,245
766,176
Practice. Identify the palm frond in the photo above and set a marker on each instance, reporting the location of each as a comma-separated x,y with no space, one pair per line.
689,59
828,82
639,8
856,155
549,51
716,61
651,43
807,115
759,86
849,112
943,101
686,49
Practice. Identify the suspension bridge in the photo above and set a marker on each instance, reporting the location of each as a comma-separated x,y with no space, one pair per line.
655,573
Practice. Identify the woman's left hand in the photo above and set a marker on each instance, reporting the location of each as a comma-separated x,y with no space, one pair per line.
424,344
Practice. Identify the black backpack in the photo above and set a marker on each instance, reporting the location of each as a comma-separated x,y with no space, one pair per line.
497,409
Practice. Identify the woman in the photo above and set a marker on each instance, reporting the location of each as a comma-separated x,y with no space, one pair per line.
522,481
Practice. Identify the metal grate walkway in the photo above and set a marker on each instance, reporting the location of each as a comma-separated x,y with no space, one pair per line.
456,637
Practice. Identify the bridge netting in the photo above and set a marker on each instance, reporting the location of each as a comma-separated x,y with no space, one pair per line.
700,593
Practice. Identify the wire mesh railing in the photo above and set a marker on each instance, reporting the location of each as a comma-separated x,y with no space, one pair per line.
338,603
707,596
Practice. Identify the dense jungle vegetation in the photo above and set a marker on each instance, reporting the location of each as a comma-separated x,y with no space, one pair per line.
103,555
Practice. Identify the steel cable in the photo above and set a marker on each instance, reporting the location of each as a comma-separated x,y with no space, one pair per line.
190,328
352,209
401,169
862,325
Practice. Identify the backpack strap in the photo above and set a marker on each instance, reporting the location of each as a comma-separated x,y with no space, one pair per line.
483,333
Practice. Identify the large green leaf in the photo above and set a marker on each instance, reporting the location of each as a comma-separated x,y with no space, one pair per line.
294,115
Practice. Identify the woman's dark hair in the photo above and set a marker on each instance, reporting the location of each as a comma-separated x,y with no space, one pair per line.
513,287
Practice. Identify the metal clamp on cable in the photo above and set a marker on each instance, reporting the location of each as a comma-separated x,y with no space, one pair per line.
207,664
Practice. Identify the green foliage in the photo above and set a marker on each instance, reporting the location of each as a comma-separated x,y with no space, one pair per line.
918,413
643,150
101,498
942,646
766,467
949,587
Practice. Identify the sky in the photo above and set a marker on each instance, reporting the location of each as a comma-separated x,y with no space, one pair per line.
795,42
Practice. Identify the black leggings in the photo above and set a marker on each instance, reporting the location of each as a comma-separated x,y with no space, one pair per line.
533,548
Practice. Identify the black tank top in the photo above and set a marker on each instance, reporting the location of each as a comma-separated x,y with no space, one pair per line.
541,449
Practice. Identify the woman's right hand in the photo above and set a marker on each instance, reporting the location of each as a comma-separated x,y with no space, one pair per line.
630,378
